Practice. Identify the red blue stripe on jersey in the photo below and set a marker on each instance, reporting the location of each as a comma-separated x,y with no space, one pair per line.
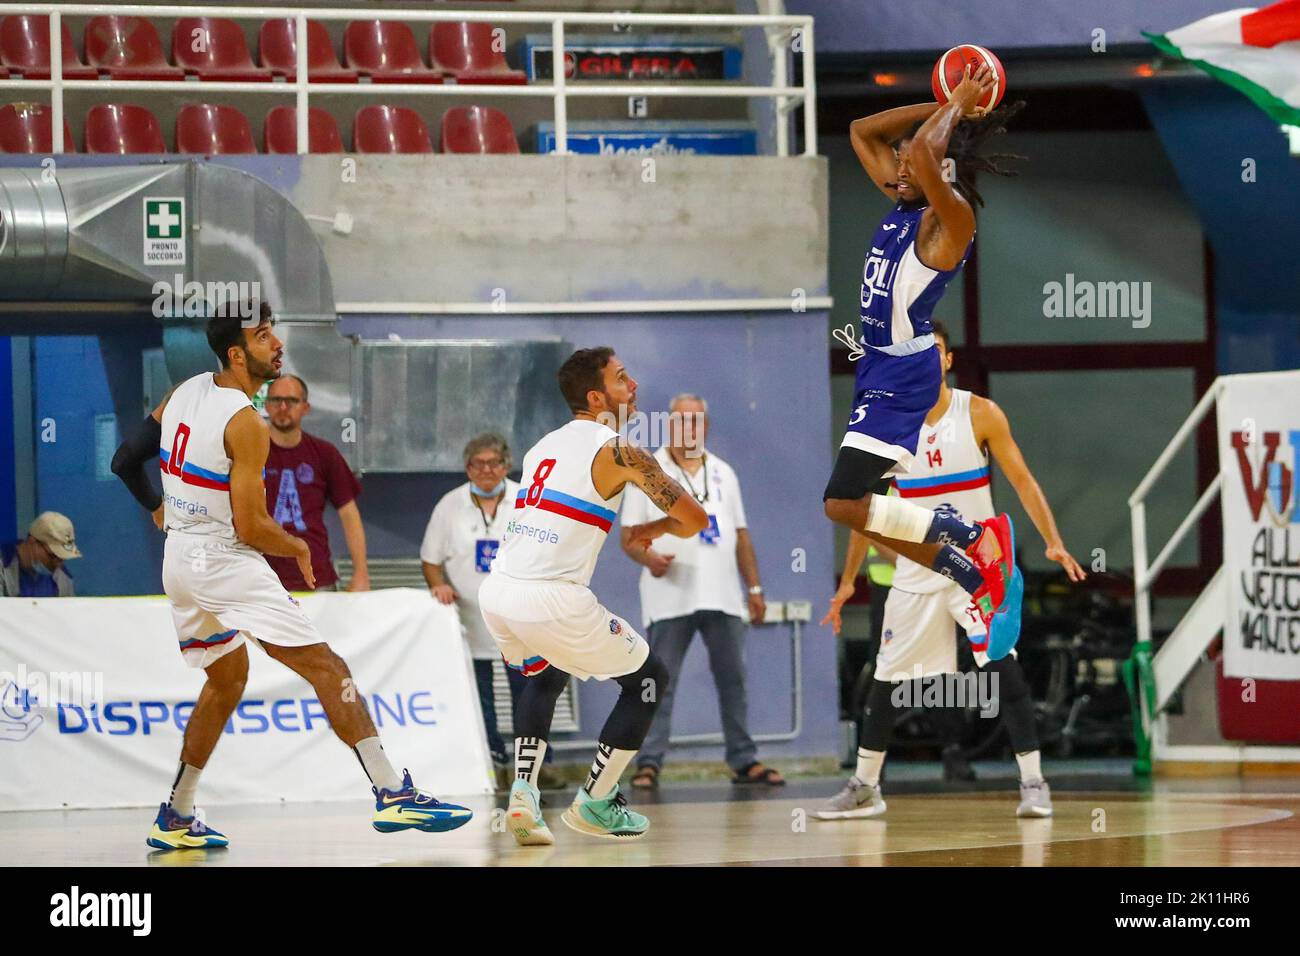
194,475
557,502
943,484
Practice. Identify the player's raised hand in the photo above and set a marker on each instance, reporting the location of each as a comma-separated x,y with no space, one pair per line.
972,89
1066,560
838,600
303,557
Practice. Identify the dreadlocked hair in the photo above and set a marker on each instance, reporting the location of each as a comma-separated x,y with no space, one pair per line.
965,148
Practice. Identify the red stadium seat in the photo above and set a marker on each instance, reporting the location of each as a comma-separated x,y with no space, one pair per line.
29,128
128,48
280,131
477,129
277,49
386,52
389,129
25,49
205,128
466,51
222,53
123,128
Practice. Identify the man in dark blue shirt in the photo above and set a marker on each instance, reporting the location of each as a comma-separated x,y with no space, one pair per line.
34,567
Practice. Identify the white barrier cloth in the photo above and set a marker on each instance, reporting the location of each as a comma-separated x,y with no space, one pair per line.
94,697
1259,457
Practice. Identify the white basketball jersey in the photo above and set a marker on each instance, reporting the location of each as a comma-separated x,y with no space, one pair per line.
558,521
950,472
195,467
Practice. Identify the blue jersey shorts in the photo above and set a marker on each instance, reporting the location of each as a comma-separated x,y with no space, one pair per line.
891,397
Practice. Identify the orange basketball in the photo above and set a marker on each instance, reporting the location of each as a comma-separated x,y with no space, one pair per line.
952,65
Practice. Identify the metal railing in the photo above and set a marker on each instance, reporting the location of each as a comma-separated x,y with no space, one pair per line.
781,31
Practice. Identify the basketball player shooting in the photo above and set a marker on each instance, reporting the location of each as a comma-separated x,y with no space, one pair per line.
212,445
545,620
919,247
951,474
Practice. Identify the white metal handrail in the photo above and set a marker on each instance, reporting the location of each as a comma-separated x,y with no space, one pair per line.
781,30
1144,572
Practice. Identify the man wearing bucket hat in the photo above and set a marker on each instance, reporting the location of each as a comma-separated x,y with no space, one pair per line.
34,567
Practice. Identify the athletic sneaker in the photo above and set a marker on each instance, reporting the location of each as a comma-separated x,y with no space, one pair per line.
994,553
525,815
1004,628
171,831
412,809
1035,799
607,817
855,801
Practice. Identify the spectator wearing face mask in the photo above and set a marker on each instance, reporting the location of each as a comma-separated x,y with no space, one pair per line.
33,567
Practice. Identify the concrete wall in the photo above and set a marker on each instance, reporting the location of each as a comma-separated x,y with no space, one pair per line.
937,24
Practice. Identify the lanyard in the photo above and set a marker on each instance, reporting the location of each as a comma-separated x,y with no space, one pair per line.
689,484
487,525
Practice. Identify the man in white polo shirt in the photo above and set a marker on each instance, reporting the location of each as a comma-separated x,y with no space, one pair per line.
459,544
693,584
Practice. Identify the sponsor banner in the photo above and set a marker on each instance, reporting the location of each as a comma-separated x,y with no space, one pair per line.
635,59
1259,458
94,697
653,139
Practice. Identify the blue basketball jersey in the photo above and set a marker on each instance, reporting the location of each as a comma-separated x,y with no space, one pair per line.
899,292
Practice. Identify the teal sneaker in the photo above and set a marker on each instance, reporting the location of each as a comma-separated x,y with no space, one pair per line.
524,816
607,817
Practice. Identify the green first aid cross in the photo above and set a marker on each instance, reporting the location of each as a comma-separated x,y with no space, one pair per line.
163,218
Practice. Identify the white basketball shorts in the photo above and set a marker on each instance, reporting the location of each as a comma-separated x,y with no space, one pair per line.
918,631
536,623
222,593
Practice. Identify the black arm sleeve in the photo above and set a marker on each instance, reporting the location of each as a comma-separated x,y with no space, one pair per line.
128,462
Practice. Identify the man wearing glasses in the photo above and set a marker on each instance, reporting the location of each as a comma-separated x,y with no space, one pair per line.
302,473
459,544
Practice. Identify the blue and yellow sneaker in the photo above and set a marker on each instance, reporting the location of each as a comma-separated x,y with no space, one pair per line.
412,809
525,815
607,817
171,831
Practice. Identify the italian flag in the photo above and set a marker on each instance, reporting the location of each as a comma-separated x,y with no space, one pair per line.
1256,51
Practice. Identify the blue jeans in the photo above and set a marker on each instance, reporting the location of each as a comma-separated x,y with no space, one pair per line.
724,636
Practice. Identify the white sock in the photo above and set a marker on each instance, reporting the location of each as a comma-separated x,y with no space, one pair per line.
1029,766
375,763
183,787
606,769
892,517
869,764
529,754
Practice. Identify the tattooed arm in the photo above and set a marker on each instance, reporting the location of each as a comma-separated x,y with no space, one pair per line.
619,464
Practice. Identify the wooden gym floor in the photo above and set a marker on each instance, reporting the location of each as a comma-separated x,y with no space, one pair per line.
1102,819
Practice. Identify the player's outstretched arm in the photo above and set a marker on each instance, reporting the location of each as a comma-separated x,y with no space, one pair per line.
620,463
956,218
853,558
993,429
247,443
873,137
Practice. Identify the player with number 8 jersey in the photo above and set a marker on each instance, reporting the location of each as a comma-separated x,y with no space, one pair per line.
545,620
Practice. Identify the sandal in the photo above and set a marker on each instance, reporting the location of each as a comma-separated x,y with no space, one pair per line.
765,775
646,778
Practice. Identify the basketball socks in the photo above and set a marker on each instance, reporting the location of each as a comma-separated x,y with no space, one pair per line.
955,566
529,754
947,527
375,763
1030,768
869,764
183,787
606,769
